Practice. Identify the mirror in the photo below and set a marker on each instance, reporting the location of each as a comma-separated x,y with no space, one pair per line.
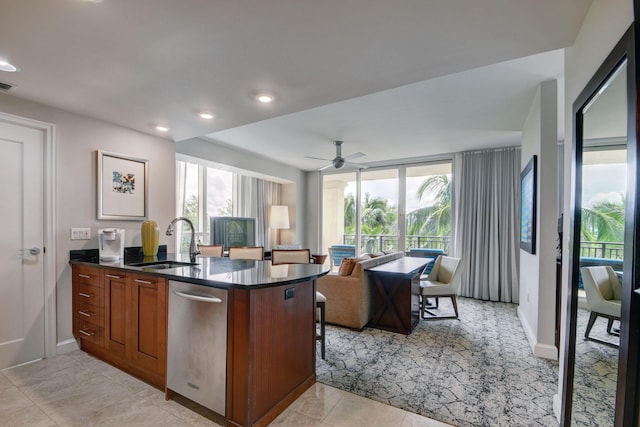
601,175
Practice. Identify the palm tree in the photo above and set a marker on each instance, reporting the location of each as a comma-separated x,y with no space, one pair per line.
604,221
378,217
434,220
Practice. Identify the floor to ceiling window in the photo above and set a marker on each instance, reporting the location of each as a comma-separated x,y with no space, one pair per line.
202,192
379,210
391,208
428,206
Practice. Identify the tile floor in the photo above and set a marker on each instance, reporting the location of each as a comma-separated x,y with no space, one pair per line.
76,389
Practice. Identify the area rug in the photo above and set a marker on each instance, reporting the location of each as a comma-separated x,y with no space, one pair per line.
475,371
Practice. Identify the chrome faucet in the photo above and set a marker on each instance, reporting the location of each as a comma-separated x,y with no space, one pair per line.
192,245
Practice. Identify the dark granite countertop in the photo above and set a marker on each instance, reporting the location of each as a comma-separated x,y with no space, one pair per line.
208,271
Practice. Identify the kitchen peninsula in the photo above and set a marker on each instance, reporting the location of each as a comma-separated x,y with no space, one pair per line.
121,315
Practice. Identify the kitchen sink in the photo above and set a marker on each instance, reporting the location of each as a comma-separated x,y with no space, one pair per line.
162,265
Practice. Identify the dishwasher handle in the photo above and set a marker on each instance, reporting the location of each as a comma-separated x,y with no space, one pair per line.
200,298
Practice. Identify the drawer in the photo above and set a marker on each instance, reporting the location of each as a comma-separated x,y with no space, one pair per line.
89,331
88,312
148,280
88,275
89,294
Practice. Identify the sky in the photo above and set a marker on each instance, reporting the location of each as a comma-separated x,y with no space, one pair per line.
603,182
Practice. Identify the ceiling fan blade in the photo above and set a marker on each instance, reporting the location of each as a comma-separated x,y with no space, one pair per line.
354,156
356,165
318,158
330,165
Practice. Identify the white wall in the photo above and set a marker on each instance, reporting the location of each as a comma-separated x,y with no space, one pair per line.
77,139
293,194
537,304
605,23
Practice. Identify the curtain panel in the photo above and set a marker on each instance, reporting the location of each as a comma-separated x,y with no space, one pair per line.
252,198
487,218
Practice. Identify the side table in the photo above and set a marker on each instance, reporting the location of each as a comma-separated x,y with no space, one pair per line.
319,258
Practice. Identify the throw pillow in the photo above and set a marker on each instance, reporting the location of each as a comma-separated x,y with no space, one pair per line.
346,266
376,254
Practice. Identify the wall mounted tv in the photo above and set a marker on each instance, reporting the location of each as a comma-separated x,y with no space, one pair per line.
233,231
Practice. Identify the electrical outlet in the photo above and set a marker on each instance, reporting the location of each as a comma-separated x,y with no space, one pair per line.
80,233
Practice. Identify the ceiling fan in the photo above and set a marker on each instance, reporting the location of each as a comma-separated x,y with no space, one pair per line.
338,161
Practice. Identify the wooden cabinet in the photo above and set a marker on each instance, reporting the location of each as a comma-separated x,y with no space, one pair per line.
88,305
122,318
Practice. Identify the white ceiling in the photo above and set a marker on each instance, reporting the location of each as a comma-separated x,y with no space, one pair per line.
389,77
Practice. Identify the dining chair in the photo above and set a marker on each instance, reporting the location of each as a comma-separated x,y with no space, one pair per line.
210,250
303,256
604,297
247,252
440,282
290,256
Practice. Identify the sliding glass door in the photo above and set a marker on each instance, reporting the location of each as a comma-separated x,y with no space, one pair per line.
393,208
428,207
379,211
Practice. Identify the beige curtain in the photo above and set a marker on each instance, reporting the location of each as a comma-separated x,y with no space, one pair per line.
486,219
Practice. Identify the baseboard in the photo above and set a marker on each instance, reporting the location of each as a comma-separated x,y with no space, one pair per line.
557,406
67,346
544,351
528,331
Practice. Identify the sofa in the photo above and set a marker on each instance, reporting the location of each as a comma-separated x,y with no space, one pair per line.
350,298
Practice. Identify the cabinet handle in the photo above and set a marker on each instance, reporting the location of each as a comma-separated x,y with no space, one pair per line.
111,276
84,313
84,276
146,282
88,333
82,294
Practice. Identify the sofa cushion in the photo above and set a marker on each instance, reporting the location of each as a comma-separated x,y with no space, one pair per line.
346,266
358,267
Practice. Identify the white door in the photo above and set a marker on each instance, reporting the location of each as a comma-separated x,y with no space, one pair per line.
22,327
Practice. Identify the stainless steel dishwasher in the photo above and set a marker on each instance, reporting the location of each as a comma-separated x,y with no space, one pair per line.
197,344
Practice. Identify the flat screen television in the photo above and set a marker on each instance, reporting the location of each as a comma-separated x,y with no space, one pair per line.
233,231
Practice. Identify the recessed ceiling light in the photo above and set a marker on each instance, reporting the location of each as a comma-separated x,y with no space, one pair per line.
265,97
206,115
93,1
162,128
6,66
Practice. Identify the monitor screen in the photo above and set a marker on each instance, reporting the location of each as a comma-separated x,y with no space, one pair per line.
233,231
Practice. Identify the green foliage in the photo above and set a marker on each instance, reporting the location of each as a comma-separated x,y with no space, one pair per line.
227,209
434,220
604,221
189,211
381,218
378,216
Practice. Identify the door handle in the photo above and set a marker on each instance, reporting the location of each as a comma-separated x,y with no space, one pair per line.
32,251
200,298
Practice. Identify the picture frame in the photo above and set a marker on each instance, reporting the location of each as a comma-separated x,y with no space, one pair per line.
122,187
528,205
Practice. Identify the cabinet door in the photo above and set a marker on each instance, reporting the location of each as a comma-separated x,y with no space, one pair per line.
147,339
115,283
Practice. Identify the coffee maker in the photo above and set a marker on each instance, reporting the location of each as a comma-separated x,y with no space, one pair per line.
111,244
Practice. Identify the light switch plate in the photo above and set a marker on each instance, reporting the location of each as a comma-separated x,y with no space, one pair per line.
80,233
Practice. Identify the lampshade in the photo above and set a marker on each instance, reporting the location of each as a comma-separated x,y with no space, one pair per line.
279,217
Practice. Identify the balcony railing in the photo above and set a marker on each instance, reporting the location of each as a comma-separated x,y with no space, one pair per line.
608,250
383,242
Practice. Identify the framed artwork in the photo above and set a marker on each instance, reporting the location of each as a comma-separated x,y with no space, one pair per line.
528,194
122,187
